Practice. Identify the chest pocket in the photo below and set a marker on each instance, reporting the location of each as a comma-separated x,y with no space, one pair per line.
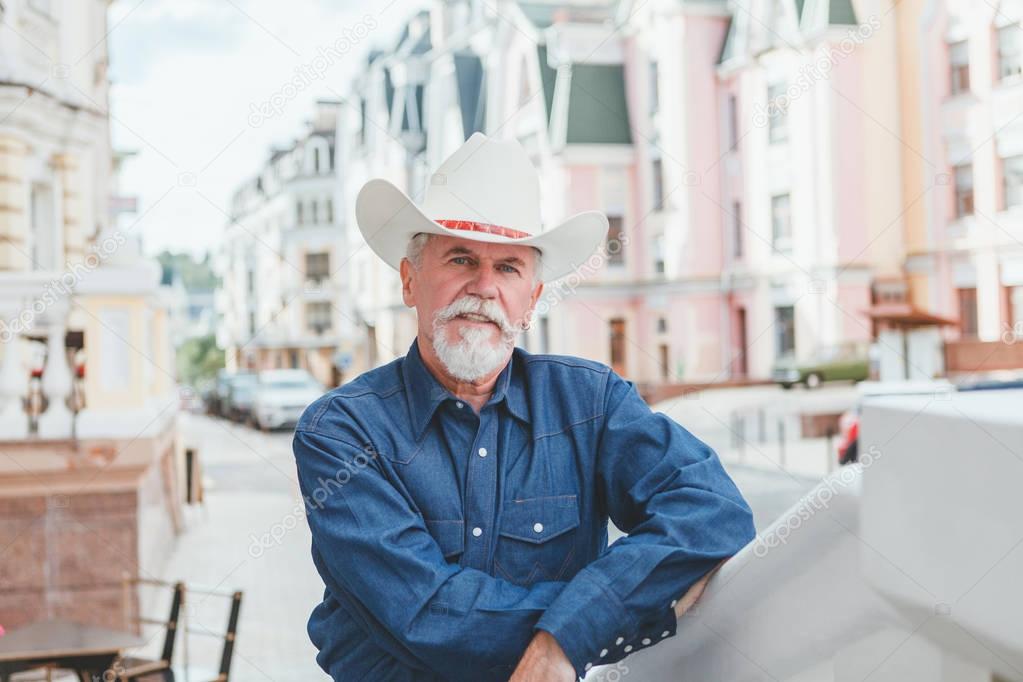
537,538
450,536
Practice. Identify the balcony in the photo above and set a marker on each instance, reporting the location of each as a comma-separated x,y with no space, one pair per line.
905,566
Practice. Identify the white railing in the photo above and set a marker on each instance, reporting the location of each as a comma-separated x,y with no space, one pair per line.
905,567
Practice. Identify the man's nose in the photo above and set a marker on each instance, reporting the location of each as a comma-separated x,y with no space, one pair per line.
483,283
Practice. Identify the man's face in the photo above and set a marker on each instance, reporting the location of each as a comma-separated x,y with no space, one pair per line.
472,300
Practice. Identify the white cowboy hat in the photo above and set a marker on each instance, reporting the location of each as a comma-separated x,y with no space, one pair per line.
487,191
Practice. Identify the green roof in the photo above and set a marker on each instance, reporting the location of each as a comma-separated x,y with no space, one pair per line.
842,12
597,111
547,77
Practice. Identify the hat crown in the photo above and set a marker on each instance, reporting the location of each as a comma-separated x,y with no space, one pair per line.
486,180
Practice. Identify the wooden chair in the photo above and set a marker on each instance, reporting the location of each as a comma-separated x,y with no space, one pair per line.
132,668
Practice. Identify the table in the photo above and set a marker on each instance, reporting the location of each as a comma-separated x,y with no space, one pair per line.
87,649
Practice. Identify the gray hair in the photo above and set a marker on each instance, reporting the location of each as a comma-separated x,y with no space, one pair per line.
414,252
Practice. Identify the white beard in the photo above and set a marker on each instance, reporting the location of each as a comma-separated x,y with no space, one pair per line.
475,355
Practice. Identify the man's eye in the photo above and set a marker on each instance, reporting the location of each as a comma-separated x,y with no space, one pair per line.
458,258
510,268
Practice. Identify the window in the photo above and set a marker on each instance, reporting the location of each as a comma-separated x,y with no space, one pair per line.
781,223
959,66
317,316
659,265
1012,178
733,122
317,266
654,88
658,183
964,190
664,354
618,345
968,312
314,210
330,210
784,331
737,229
1010,51
778,113
299,218
615,236
662,325
316,159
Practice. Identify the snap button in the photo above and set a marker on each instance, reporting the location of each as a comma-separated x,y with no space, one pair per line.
603,653
619,640
477,531
483,452
587,666
458,404
628,648
646,640
538,527
665,633
673,602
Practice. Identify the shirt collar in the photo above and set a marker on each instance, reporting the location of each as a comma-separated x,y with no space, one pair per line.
425,393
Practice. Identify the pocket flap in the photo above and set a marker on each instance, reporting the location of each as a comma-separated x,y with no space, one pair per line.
538,519
449,535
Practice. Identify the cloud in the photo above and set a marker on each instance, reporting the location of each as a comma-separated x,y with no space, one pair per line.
185,73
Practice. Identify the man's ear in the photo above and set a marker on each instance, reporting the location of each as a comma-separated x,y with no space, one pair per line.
536,295
408,294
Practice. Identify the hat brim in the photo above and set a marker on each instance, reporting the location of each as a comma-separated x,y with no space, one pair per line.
388,218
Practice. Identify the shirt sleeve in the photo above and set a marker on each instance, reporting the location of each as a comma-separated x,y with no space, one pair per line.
374,548
683,515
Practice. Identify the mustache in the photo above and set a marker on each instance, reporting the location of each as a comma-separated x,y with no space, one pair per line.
470,304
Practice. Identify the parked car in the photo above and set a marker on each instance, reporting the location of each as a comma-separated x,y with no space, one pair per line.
241,389
847,447
840,363
216,404
282,395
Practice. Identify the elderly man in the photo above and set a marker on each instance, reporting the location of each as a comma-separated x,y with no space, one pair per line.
459,496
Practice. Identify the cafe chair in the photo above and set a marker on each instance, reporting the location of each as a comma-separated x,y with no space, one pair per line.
188,673
133,668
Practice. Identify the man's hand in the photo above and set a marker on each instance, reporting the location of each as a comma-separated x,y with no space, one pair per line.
693,593
543,661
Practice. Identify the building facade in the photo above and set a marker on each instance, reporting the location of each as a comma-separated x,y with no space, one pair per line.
281,260
88,399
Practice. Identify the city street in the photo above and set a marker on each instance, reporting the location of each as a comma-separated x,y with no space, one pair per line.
252,536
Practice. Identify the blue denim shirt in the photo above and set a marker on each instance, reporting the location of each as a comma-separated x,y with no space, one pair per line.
447,539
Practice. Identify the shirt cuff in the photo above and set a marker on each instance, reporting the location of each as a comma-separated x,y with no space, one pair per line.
587,618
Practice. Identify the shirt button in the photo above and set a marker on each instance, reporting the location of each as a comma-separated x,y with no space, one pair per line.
477,531
458,404
665,633
619,640
646,640
628,648
587,666
483,452
538,527
673,602
603,653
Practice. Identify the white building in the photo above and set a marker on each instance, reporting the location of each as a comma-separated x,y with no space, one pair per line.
283,260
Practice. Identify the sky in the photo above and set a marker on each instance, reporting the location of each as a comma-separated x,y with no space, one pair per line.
188,78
